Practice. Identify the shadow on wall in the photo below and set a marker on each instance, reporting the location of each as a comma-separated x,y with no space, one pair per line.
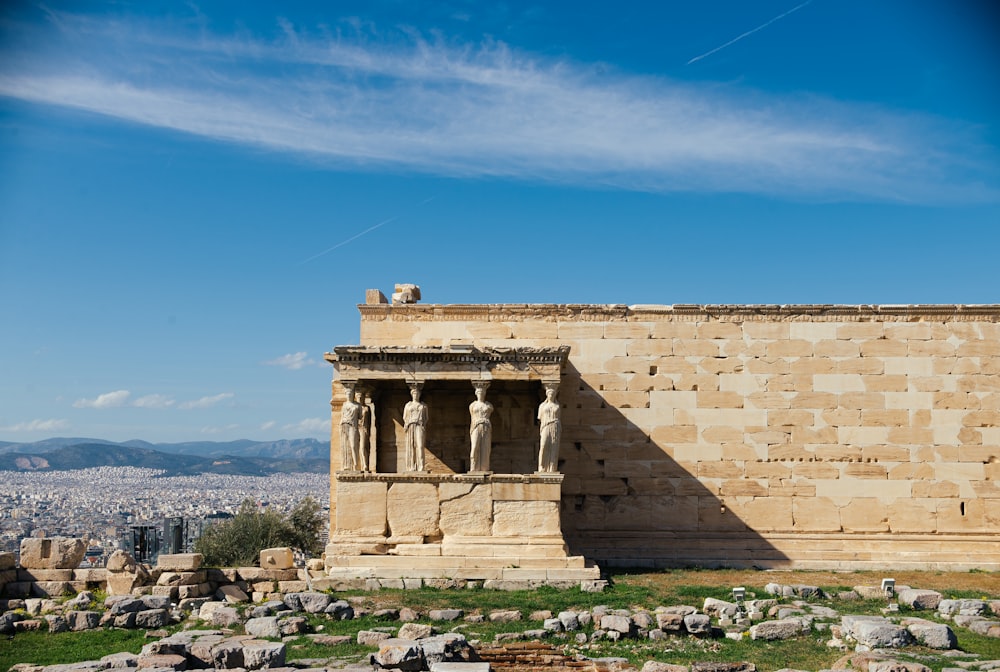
626,502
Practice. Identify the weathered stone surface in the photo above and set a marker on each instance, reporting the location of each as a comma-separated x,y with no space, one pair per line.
876,632
526,518
621,624
83,620
227,654
504,616
768,630
920,599
698,624
657,666
719,608
570,620
231,594
179,562
399,654
965,607
413,510
260,655
669,622
466,509
52,552
152,618
445,614
313,603
930,634
451,647
7,560
56,623
264,626
120,661
709,666
162,661
277,558
225,617
414,631
372,637
366,515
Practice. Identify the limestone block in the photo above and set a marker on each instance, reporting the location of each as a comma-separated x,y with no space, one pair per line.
277,558
526,492
52,553
7,561
525,518
913,516
362,508
466,509
816,514
413,509
864,514
179,562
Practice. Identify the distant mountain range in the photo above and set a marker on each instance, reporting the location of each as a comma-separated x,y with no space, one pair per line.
244,457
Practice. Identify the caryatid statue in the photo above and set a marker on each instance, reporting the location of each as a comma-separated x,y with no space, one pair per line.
364,433
415,425
350,439
550,426
481,431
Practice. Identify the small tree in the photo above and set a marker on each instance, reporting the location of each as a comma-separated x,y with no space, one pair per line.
238,541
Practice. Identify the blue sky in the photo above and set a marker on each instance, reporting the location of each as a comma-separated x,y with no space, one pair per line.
194,196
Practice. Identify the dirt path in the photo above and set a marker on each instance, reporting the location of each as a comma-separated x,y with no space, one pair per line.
986,582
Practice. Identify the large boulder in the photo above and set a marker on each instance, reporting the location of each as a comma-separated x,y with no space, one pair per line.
52,552
399,654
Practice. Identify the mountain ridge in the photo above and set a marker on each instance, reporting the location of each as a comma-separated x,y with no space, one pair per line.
243,457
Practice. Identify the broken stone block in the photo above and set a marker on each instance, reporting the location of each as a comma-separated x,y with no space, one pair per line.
770,630
179,562
399,654
52,553
260,655
415,631
930,634
277,558
920,599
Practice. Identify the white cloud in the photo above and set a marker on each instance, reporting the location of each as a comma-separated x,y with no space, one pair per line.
206,402
267,425
488,110
108,400
154,401
293,362
310,427
51,425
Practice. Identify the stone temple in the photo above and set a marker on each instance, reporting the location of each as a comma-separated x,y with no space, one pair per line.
532,443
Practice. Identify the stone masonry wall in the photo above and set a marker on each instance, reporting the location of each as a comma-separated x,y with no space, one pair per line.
807,436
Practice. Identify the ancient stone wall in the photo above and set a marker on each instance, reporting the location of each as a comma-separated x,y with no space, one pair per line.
808,436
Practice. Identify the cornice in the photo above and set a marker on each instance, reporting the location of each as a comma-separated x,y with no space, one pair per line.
650,312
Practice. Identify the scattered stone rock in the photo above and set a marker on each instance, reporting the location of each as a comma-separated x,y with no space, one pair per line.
782,629
920,599
930,634
266,626
698,624
415,631
399,654
445,614
372,637
504,616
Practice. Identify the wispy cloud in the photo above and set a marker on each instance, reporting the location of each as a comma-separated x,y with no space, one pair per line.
51,425
310,427
206,402
267,425
154,401
748,33
293,361
473,110
114,399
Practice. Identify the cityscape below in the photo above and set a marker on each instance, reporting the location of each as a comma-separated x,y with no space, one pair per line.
119,507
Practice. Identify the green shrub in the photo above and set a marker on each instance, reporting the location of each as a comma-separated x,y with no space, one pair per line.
238,541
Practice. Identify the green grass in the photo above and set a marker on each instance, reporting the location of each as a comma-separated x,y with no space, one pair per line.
631,590
43,648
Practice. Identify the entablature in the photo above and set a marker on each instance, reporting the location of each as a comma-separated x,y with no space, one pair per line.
418,364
